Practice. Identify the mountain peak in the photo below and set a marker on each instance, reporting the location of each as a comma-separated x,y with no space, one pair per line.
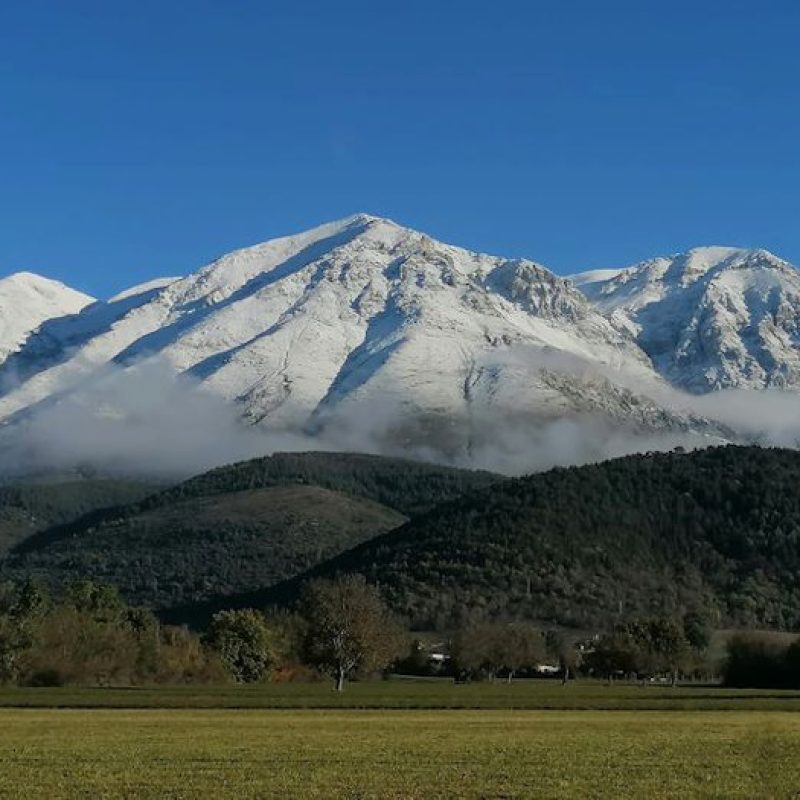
701,260
712,317
716,252
360,222
357,319
363,218
27,300
28,286
690,263
32,280
23,276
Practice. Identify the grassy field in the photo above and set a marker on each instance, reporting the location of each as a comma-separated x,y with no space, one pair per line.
414,694
397,754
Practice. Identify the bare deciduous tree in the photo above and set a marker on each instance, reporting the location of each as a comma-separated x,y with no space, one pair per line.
349,628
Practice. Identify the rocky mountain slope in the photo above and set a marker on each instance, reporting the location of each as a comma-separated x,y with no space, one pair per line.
711,318
363,328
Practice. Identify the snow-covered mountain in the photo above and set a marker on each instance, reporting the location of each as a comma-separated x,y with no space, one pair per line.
594,276
711,318
362,323
26,301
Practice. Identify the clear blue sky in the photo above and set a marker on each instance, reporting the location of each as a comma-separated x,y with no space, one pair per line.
141,139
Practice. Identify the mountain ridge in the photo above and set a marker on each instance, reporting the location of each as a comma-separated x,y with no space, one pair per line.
711,318
27,300
366,335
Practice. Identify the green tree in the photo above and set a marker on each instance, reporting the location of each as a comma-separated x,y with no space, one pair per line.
32,601
100,601
21,612
613,653
659,645
697,630
494,647
349,628
243,642
562,647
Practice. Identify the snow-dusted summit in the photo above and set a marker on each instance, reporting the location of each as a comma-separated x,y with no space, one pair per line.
26,301
710,318
361,323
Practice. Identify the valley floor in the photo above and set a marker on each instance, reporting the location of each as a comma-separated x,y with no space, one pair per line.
109,753
413,694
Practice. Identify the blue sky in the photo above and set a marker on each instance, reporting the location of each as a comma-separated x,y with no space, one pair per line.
143,139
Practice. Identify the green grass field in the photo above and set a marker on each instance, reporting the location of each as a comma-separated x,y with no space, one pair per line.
400,739
397,754
414,694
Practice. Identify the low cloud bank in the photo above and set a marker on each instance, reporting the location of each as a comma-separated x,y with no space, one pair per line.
143,420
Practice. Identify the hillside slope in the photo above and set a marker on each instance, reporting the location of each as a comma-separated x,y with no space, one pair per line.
410,487
717,529
240,527
28,508
195,548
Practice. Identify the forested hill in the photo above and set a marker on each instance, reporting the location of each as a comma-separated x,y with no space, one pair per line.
407,487
410,487
239,528
717,529
26,508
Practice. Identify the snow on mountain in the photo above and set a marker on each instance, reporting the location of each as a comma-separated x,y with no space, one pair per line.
711,318
366,321
592,276
26,301
142,288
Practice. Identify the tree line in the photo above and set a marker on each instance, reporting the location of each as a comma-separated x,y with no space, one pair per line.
662,645
341,628
89,635
581,547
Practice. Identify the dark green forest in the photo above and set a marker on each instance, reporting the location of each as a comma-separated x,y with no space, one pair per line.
662,533
31,507
200,547
238,528
410,487
715,531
